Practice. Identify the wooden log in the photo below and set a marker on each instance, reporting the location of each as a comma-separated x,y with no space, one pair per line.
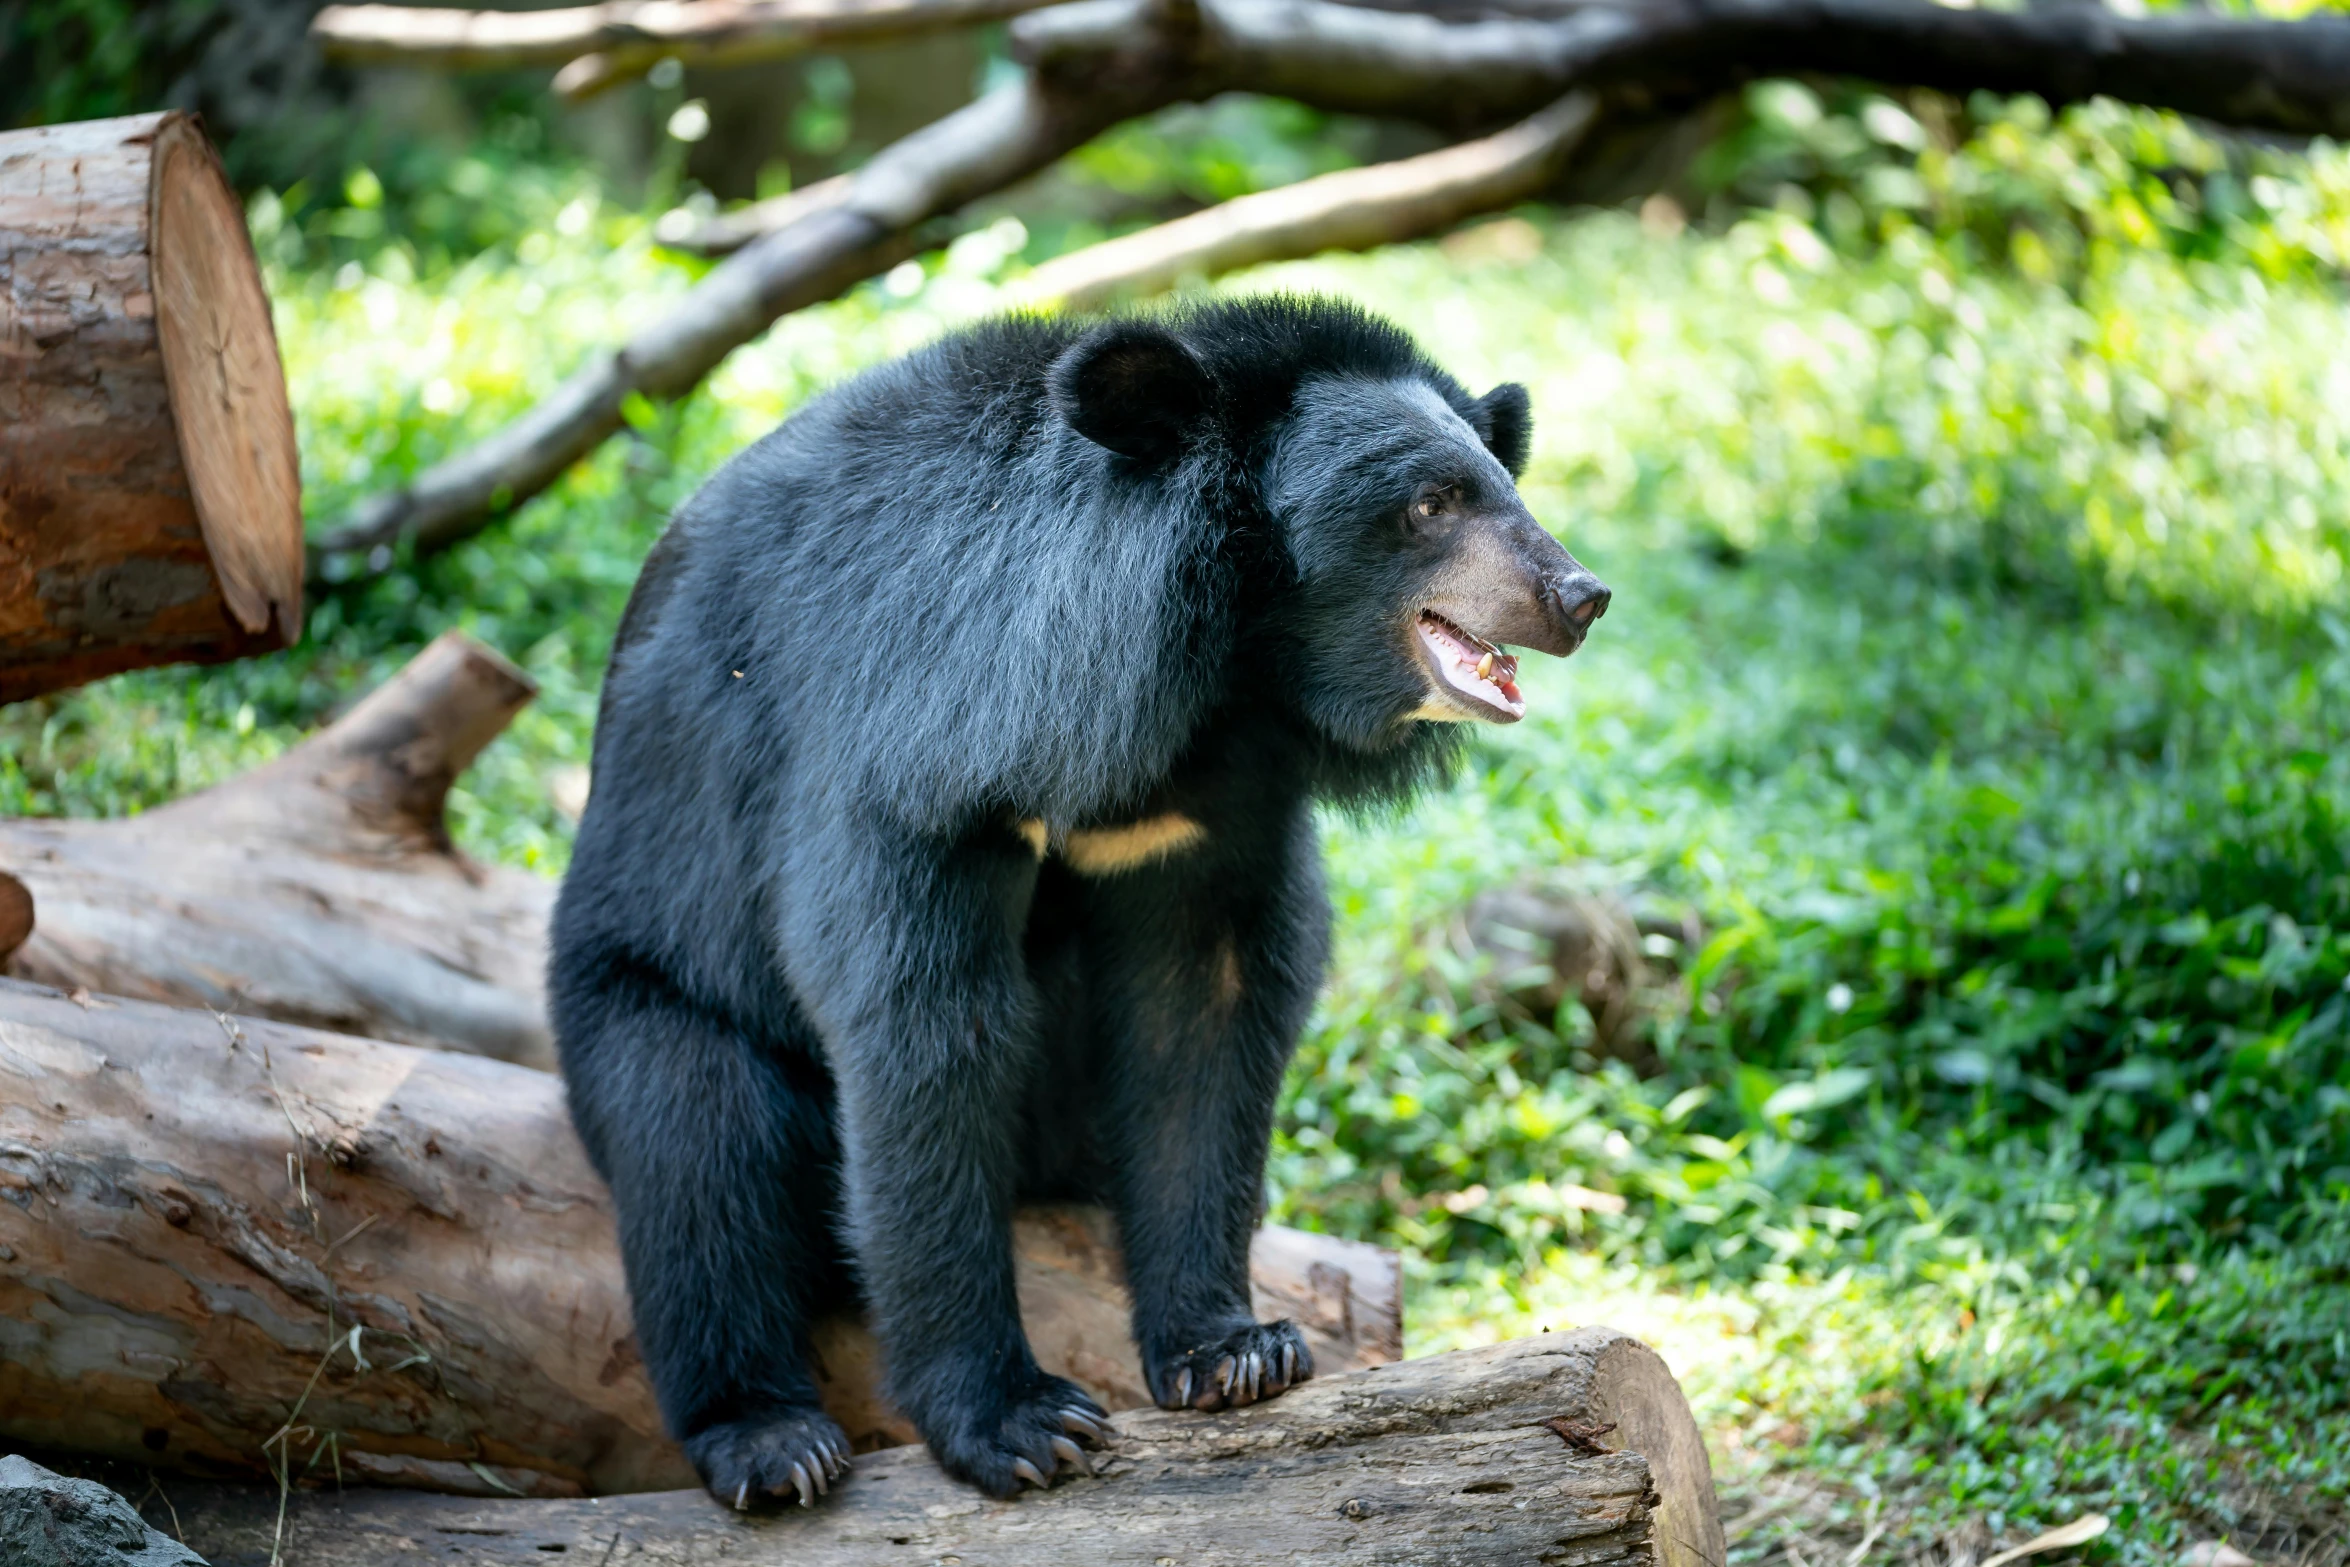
1567,1449
1353,209
150,506
321,888
197,1213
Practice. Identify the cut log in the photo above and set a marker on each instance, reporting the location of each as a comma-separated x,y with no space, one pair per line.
321,888
150,506
1353,209
1569,1448
197,1213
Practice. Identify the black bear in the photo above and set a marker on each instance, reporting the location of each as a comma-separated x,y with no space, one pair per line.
951,845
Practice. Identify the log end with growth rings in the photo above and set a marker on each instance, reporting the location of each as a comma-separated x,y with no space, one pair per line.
228,389
150,496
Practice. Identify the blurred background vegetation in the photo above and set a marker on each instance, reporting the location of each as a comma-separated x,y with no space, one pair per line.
1968,748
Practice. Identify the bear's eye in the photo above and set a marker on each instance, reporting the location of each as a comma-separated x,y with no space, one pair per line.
1431,503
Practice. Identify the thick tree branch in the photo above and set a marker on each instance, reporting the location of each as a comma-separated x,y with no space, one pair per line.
2266,75
1353,209
610,43
1096,62
321,888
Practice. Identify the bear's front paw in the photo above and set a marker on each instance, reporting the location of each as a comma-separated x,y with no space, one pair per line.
1040,1435
784,1452
1252,1362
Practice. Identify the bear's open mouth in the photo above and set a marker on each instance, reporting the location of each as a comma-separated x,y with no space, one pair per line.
1479,677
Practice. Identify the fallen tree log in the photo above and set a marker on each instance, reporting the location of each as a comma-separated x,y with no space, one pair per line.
321,888
1095,62
150,507
224,1241
1569,1448
1353,209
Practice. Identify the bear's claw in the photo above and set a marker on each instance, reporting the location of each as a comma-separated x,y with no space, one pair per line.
1255,1362
794,1453
1038,1438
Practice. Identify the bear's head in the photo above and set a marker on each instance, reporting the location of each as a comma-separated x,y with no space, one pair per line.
1411,561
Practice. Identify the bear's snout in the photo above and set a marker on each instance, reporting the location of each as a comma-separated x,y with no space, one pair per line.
1511,583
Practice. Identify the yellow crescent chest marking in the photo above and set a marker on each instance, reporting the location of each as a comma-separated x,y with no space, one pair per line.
1105,851
1033,834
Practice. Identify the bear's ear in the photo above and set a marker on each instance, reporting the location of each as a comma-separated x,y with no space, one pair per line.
1504,420
1132,387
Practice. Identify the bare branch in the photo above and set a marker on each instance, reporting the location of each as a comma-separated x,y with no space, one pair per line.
977,149
1353,209
612,42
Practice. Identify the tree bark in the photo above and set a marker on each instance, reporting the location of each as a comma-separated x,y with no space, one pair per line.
197,1213
321,888
1467,75
150,506
600,46
1354,209
1568,1448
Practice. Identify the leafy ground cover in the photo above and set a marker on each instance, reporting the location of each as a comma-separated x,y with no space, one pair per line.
1976,491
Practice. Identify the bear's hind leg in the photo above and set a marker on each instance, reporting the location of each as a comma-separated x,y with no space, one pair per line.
722,1159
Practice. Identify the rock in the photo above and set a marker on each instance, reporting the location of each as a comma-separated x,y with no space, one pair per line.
47,1520
1544,945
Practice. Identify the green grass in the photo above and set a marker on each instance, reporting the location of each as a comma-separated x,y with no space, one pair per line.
1977,685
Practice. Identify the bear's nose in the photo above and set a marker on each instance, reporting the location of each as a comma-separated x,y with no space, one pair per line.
1581,599
1589,607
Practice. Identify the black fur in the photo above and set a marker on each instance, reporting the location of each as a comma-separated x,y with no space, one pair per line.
825,1015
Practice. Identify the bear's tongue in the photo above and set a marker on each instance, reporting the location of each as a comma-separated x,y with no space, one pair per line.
1472,665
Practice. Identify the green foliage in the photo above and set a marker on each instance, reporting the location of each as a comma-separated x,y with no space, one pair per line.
2000,183
90,59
